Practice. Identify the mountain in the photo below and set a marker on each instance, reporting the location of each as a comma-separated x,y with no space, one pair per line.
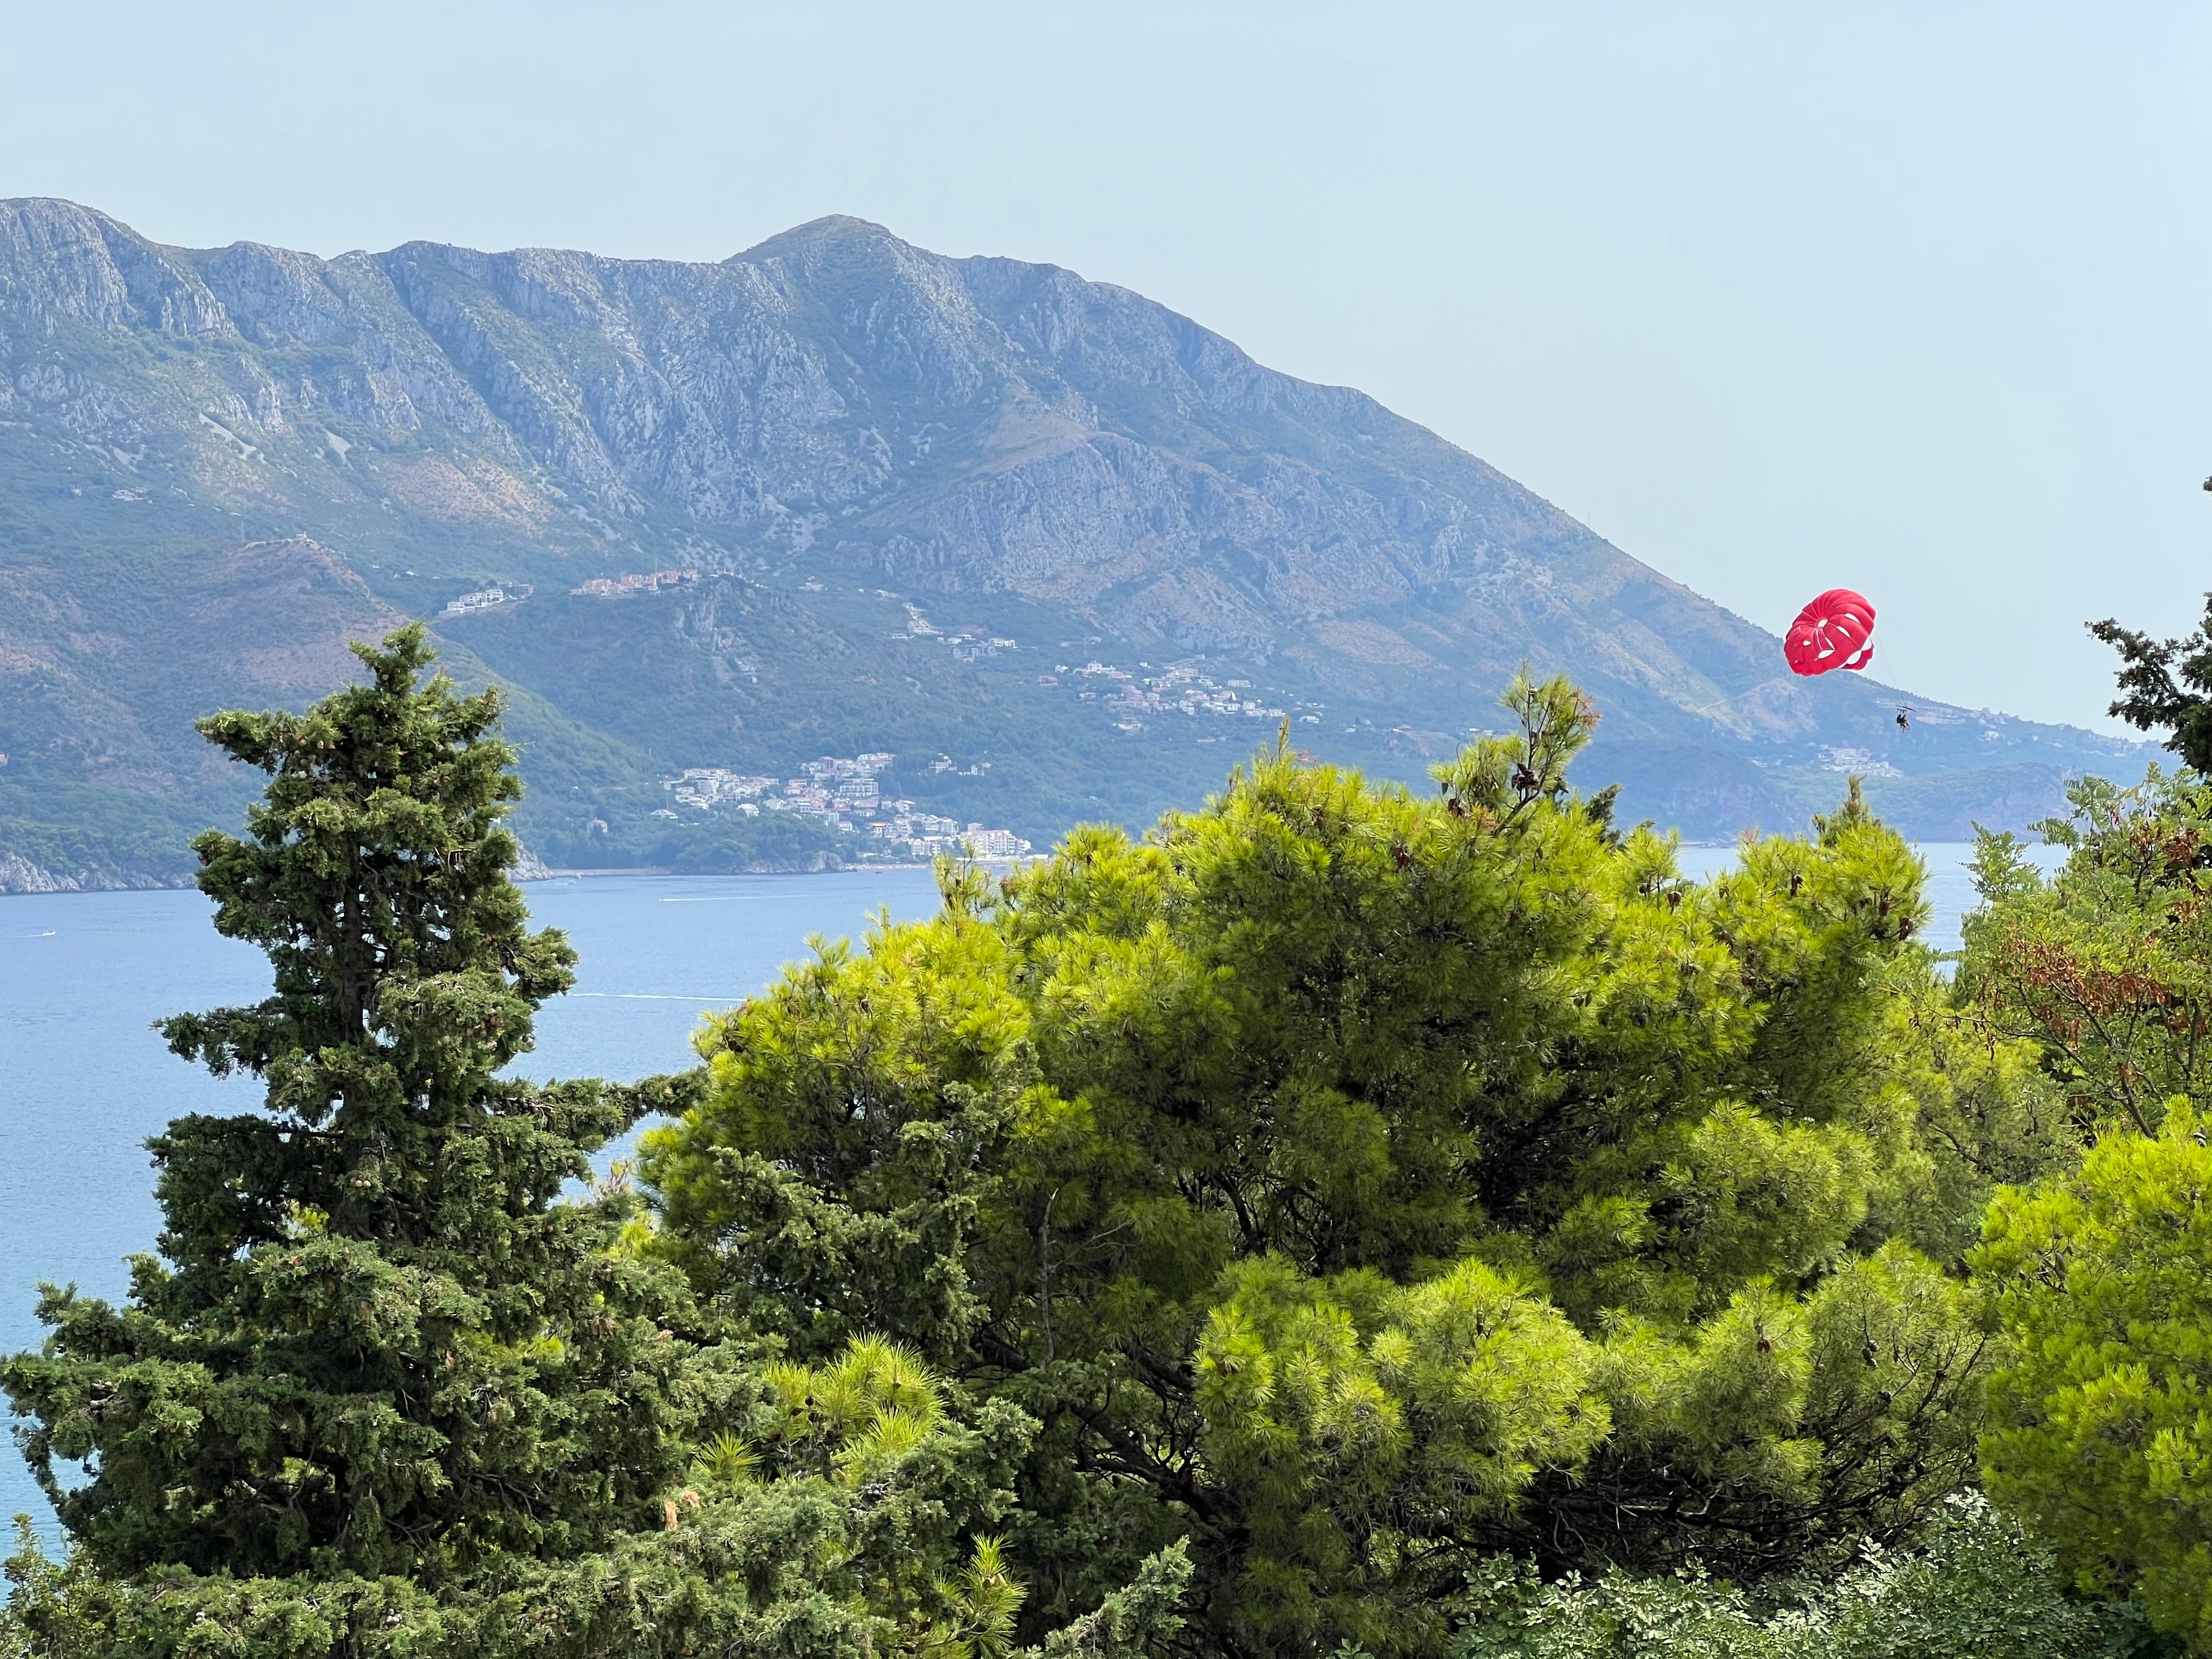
1064,553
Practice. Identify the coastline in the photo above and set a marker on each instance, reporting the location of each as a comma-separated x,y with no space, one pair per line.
546,872
20,879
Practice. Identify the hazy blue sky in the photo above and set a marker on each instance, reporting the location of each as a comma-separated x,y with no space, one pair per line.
1777,297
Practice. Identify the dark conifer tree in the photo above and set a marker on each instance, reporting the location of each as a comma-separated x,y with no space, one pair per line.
372,1341
2167,686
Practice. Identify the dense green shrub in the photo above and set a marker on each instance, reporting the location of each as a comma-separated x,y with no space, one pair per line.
2106,966
1974,1587
2101,1419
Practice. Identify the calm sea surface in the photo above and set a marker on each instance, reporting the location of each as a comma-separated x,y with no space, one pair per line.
84,1081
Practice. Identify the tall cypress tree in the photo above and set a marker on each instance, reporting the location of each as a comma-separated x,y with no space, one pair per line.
372,1340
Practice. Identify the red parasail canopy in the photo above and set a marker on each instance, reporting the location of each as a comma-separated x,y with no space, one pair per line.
1827,632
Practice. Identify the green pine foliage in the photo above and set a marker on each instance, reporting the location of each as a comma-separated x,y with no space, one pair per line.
1356,1183
2167,685
2101,1418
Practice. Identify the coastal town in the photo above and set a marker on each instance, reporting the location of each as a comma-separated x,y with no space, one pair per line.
844,794
496,594
1129,695
1180,689
631,582
1177,688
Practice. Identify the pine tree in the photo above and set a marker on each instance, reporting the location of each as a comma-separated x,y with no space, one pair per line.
1352,1183
372,1342
2167,685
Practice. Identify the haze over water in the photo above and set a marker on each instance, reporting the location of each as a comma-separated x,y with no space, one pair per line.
84,1080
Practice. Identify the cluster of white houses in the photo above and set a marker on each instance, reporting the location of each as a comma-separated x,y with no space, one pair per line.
844,793
635,581
488,599
1181,690
966,644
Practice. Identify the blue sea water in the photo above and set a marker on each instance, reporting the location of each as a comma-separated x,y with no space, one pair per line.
84,1080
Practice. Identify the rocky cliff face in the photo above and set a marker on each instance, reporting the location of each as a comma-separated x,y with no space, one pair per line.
835,412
